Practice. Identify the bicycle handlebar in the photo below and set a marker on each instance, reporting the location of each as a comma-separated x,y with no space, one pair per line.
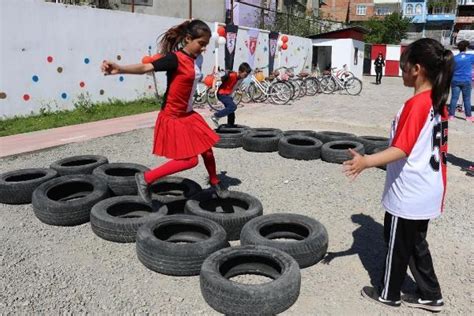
257,69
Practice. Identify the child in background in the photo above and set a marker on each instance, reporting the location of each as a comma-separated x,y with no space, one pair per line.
415,183
230,81
180,133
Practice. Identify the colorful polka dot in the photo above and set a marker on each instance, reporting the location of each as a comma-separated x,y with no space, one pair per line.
26,97
121,78
150,87
64,95
35,78
3,95
60,69
49,59
82,84
149,47
101,91
87,60
119,57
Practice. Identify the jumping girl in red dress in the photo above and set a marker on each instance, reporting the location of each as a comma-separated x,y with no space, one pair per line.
180,133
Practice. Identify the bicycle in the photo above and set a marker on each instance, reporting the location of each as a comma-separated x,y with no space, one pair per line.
341,80
308,84
279,92
287,76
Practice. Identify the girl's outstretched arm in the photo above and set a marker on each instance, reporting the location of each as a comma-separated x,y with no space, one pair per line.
110,68
353,167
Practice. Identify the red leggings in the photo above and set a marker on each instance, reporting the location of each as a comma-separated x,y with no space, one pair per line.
177,165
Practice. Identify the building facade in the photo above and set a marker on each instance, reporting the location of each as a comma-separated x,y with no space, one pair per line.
430,18
358,10
464,22
207,10
386,7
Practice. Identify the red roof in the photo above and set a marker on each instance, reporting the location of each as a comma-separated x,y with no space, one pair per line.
355,32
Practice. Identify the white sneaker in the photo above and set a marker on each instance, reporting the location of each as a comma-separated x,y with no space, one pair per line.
215,120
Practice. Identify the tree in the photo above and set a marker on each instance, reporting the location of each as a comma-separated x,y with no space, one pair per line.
390,30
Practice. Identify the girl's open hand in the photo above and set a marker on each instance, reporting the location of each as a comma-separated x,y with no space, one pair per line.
356,165
109,68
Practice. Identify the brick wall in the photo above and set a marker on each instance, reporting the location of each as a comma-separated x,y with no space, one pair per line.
346,10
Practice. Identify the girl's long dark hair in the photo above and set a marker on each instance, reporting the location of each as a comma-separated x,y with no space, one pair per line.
173,39
438,65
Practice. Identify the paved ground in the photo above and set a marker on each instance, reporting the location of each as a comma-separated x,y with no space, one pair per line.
48,269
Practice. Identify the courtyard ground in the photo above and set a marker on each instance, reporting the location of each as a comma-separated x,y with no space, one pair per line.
47,269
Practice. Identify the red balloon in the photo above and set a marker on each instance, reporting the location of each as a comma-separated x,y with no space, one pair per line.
221,31
284,46
284,38
146,59
208,80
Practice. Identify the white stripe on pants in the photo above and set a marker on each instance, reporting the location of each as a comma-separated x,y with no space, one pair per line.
388,261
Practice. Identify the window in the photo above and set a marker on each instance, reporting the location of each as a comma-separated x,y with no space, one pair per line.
418,9
138,2
383,11
409,9
361,10
356,52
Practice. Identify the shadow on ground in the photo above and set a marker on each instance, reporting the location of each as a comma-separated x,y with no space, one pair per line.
370,247
228,181
459,162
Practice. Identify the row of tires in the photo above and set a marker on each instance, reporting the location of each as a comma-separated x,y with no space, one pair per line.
193,243
300,144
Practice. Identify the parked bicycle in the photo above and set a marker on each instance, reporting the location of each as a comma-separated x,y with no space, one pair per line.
308,84
260,90
341,80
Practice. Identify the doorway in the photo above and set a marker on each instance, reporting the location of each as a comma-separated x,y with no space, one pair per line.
322,58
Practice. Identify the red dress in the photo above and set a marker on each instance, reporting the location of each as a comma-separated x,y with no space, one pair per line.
179,131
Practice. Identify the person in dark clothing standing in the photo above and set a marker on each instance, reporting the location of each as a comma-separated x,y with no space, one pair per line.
379,64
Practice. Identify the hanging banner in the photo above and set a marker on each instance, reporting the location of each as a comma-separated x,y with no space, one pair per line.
272,43
252,45
231,41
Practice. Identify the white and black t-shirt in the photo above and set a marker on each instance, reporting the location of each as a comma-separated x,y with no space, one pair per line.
415,186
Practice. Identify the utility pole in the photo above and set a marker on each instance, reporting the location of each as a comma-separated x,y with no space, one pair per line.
190,9
133,6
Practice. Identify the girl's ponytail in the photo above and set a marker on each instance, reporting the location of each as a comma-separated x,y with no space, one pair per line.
442,82
438,64
172,38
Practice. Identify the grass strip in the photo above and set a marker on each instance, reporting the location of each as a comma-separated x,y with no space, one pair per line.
84,112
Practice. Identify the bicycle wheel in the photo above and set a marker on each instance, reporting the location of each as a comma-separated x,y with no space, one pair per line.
312,86
302,86
327,85
353,86
295,91
237,97
212,100
280,93
245,94
256,94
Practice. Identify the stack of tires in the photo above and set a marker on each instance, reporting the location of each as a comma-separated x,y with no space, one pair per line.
197,243
184,231
329,146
